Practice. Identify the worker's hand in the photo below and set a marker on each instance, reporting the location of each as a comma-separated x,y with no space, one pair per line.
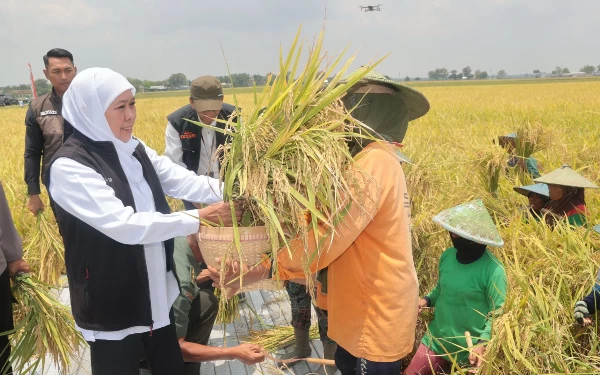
17,266
422,304
192,241
249,354
476,356
220,213
35,204
203,277
582,314
232,272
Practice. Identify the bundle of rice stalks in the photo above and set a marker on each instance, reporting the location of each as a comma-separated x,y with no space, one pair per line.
275,338
45,251
490,163
228,308
531,138
287,160
44,328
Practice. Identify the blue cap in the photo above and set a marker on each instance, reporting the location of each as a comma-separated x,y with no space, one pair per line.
541,189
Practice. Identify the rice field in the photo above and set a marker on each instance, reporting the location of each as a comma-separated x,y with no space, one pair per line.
548,270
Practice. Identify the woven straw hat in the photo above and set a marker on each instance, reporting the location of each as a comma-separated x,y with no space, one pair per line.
471,221
597,228
417,103
541,189
565,176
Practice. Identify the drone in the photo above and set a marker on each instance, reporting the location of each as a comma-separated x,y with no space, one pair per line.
370,8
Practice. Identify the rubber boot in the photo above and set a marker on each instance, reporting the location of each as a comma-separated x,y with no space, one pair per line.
328,353
302,349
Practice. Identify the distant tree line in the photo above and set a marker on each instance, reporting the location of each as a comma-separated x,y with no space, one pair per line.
180,81
442,74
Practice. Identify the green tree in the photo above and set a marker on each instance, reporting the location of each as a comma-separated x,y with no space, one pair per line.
137,83
42,86
259,80
454,75
566,71
177,80
588,69
480,75
407,78
467,72
501,74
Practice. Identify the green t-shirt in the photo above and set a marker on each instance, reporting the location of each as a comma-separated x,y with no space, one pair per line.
464,298
577,220
532,167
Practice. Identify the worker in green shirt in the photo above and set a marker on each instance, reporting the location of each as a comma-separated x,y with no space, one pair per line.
469,294
530,164
567,198
195,311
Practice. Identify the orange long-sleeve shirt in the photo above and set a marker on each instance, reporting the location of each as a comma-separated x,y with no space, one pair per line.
372,283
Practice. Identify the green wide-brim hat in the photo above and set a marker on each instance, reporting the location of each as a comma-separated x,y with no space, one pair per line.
417,103
541,189
566,176
471,221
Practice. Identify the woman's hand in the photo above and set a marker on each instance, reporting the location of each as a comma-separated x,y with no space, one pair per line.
220,213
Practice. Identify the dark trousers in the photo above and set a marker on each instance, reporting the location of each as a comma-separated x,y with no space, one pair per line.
350,365
161,349
6,321
202,315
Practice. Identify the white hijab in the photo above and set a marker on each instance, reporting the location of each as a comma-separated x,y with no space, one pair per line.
90,94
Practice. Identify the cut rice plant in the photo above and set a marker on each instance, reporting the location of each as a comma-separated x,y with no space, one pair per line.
274,338
45,252
44,328
531,138
287,160
228,308
491,162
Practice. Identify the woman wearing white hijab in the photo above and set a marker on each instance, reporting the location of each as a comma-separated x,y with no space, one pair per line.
109,189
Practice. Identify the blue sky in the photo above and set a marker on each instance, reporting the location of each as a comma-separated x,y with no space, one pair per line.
151,39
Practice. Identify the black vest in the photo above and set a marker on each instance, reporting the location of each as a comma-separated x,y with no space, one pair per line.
191,134
108,280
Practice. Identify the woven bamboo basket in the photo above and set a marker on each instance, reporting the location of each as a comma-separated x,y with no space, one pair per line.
216,242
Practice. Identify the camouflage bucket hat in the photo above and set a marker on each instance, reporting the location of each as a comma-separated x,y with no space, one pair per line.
471,221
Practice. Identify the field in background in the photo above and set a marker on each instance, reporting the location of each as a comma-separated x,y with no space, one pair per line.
548,270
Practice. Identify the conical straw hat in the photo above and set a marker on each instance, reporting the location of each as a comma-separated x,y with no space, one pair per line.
566,176
541,189
597,228
471,221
